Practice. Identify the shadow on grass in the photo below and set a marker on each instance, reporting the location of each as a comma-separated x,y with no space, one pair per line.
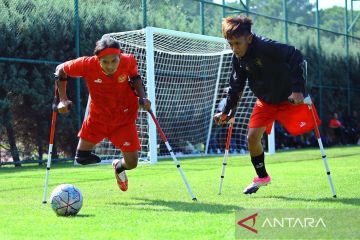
85,215
349,201
53,185
145,204
31,167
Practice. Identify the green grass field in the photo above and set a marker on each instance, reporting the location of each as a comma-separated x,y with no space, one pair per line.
157,204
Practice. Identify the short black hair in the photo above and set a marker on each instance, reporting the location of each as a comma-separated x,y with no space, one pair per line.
236,26
105,42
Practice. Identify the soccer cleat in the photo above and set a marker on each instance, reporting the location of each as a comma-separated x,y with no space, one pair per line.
256,184
121,178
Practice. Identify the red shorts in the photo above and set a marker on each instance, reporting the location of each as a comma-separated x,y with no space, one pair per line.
124,137
297,119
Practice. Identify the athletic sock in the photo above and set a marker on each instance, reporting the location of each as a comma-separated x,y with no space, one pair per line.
120,168
259,165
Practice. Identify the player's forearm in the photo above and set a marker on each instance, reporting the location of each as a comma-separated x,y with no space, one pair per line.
61,81
231,101
298,80
62,90
138,86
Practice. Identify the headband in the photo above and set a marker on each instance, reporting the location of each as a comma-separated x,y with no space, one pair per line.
108,51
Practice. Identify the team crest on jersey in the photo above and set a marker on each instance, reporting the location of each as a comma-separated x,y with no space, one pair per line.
302,124
121,78
98,80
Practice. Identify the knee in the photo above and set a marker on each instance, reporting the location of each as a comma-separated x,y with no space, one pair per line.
131,163
253,139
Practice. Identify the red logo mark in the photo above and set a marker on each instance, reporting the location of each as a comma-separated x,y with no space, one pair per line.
253,217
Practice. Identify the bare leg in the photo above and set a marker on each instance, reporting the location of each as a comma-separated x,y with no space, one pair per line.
254,141
257,159
130,160
85,145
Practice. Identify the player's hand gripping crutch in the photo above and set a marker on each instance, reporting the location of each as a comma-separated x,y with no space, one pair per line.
308,101
171,152
228,138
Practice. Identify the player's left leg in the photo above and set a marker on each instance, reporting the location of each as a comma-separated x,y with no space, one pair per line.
261,120
127,140
128,162
257,158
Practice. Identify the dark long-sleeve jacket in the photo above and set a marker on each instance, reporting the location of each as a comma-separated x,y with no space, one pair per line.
274,70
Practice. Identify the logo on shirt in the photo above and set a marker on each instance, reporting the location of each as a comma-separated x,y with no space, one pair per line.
98,80
302,124
126,144
121,78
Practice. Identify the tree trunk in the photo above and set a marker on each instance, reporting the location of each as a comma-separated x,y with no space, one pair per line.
12,142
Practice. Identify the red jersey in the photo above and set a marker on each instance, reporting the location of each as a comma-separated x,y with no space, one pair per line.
112,99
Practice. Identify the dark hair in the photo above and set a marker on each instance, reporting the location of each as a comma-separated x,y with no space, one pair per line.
236,26
105,42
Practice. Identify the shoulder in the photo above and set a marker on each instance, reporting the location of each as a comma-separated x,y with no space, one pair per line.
261,42
81,60
91,60
272,47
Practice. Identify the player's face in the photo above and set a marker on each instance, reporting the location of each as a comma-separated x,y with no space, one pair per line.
110,63
239,45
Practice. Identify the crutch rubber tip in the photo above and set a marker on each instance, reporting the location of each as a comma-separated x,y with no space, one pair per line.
334,196
194,199
44,202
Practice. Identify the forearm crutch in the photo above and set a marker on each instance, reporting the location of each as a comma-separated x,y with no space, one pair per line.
172,154
308,101
52,132
227,146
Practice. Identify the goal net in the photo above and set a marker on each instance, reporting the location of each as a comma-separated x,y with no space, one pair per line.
186,78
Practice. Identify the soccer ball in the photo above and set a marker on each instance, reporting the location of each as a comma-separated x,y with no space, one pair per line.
66,200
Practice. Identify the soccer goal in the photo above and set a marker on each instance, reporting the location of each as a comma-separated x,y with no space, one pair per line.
186,77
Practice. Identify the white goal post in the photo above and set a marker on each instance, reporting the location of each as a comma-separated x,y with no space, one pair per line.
186,77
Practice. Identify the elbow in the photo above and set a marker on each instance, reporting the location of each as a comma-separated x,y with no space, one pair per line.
59,72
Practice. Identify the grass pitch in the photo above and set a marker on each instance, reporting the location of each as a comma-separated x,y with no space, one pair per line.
157,204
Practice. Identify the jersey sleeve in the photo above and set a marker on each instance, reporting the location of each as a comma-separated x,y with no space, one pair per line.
133,69
76,67
237,83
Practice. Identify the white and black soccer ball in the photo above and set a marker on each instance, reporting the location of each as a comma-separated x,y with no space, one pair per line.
66,200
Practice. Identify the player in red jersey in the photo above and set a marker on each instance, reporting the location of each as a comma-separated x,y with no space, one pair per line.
116,89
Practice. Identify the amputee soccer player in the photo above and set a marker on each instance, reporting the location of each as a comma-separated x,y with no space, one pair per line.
116,89
275,75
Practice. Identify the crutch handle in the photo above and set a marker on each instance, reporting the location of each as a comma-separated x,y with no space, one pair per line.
55,108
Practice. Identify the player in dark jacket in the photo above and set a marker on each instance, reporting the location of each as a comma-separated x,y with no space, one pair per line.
275,75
